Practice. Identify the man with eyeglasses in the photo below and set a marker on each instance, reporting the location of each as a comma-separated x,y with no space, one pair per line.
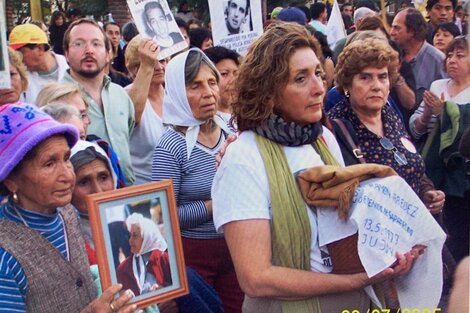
111,111
44,66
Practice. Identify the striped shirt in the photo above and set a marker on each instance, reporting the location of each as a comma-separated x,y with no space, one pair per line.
13,282
192,181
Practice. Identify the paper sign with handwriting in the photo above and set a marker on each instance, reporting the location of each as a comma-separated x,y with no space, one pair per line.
390,218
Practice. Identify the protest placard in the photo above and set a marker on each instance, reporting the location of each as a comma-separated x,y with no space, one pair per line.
389,218
154,19
235,23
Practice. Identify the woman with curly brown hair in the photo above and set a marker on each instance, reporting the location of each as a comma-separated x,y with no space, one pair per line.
18,78
271,233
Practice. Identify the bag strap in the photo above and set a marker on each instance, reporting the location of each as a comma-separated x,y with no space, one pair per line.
346,134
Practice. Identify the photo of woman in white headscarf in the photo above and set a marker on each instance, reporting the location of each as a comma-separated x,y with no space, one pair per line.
148,267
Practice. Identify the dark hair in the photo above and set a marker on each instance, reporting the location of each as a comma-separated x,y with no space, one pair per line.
74,12
366,4
129,31
317,9
306,10
448,27
198,35
107,42
432,3
56,14
325,48
150,6
181,23
346,4
105,26
219,53
459,42
372,23
193,64
415,22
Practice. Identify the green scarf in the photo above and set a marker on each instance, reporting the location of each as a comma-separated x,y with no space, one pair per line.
290,226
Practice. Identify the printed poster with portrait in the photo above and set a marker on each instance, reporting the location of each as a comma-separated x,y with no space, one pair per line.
154,19
4,60
236,23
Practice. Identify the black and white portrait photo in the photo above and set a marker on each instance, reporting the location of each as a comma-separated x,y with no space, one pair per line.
238,17
154,20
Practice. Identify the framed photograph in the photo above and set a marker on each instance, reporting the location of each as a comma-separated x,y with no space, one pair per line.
137,241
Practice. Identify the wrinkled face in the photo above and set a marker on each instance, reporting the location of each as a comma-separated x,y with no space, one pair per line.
228,72
301,101
236,13
91,178
369,89
442,39
46,181
159,72
87,55
399,31
458,63
77,122
203,94
33,57
77,101
135,239
441,12
157,22
12,94
114,34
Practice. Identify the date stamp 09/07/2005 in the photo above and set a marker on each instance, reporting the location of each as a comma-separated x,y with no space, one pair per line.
400,310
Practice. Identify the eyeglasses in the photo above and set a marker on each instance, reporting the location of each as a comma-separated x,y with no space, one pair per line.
398,156
81,45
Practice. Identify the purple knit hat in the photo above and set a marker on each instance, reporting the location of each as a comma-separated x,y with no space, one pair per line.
22,127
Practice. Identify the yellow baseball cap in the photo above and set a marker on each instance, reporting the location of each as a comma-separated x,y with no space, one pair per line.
26,34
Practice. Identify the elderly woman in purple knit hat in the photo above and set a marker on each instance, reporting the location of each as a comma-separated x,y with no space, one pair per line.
43,262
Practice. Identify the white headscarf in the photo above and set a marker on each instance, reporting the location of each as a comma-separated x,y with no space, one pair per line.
82,145
176,109
153,240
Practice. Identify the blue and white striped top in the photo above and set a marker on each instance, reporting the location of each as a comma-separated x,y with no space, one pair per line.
13,282
192,181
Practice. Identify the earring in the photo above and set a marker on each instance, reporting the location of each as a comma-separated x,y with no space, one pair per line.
14,196
346,93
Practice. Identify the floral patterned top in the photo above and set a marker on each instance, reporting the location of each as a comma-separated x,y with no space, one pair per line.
369,142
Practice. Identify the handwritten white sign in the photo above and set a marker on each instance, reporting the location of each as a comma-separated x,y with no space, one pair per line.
235,23
390,218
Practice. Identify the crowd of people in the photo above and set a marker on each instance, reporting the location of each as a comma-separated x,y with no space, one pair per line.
91,108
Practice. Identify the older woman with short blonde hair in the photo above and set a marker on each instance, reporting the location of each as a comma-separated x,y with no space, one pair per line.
18,76
65,93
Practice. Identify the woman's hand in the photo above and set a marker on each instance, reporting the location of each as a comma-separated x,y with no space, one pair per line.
434,200
148,52
432,103
221,152
402,265
107,304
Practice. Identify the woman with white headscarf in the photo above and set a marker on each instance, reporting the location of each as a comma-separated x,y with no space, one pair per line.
186,154
148,266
